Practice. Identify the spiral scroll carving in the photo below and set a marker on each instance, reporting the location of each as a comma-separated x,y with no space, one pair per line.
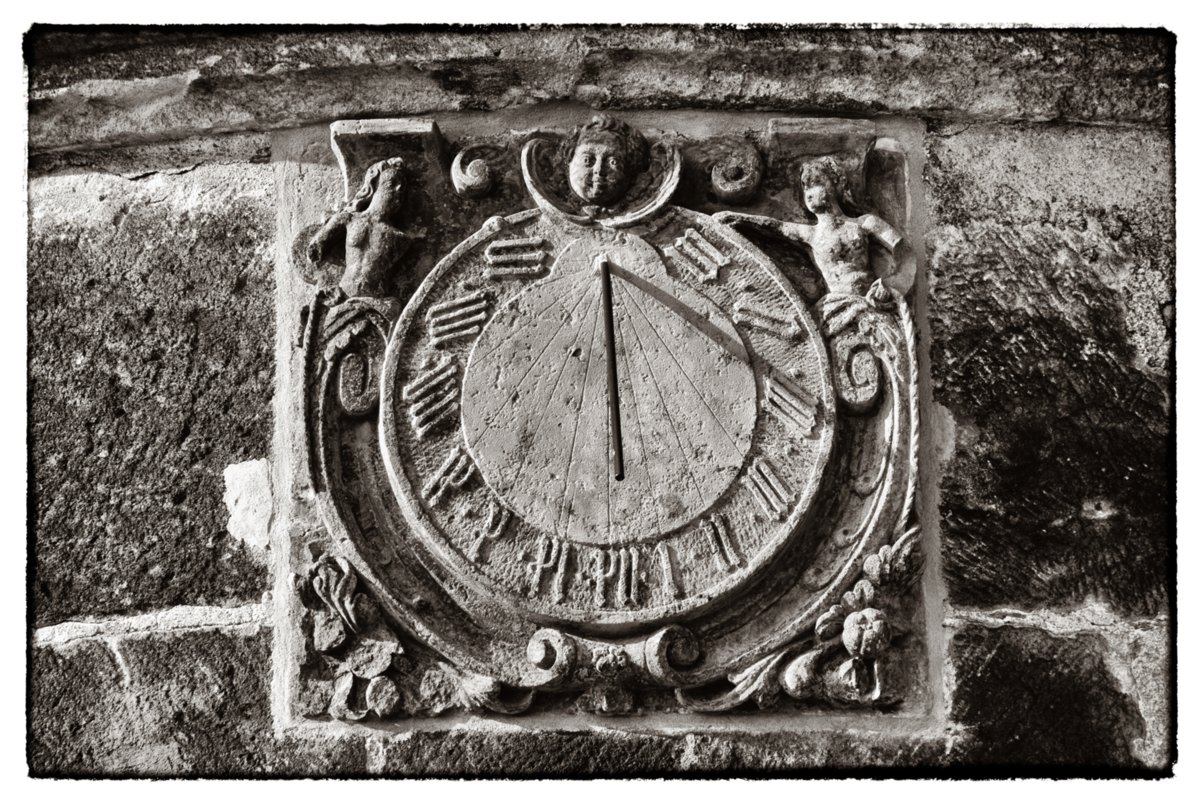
471,175
553,652
670,651
356,334
736,177
857,375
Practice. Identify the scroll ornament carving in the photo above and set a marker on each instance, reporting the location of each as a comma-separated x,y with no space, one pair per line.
736,175
397,405
471,173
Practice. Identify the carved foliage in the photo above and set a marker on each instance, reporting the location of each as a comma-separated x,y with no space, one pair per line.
350,636
367,672
840,663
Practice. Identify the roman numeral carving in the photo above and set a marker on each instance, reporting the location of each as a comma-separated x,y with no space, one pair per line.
791,404
772,492
457,318
628,577
724,542
454,473
698,255
666,564
782,326
497,526
550,558
432,396
515,258
616,569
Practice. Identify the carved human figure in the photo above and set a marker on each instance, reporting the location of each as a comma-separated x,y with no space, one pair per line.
367,229
607,156
839,243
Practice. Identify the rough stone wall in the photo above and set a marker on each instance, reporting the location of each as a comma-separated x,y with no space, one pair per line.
1049,277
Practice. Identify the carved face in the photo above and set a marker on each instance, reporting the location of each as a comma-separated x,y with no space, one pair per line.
819,197
391,178
599,170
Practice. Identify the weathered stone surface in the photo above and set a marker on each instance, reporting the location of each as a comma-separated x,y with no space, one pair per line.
141,161
1051,276
1030,698
1050,258
622,753
175,704
150,370
90,87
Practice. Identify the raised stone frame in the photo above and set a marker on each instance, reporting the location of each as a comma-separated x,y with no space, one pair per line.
368,634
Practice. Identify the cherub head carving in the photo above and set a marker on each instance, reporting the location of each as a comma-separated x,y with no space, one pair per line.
824,185
607,157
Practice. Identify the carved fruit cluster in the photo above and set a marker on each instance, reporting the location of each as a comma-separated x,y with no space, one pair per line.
349,631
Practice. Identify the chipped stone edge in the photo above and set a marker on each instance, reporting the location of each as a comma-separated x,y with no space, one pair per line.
245,620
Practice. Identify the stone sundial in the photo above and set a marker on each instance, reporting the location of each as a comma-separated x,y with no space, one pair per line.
605,451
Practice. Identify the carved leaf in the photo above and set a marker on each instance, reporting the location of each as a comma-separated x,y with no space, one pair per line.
854,676
758,682
328,632
897,565
369,658
333,580
481,691
829,624
339,706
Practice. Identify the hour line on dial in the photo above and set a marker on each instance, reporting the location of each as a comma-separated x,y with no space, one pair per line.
432,396
457,318
791,404
515,258
557,403
785,327
700,256
454,473
773,494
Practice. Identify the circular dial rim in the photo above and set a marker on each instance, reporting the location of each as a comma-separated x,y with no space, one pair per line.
429,529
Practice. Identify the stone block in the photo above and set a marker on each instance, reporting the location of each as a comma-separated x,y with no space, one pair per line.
1030,698
187,703
139,84
615,753
150,371
1051,263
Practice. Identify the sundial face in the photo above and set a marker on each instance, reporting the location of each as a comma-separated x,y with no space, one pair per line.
606,428
536,413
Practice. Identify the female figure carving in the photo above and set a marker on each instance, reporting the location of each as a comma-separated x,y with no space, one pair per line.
367,230
839,244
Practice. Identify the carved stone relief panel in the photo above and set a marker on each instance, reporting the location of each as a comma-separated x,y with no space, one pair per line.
607,418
